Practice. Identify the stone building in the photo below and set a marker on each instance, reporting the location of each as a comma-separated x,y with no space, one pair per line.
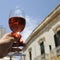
2,31
44,42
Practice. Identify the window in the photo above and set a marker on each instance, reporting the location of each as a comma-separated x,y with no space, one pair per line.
42,48
30,55
50,47
57,42
57,39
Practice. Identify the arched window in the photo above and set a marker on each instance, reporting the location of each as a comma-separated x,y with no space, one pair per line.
42,48
30,53
57,39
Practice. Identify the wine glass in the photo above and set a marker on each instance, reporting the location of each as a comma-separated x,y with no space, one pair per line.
17,23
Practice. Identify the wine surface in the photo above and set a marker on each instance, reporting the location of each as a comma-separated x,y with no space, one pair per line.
17,24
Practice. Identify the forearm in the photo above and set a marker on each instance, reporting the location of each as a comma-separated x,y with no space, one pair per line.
6,43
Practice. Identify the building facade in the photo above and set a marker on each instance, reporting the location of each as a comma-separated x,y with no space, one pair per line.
2,31
44,42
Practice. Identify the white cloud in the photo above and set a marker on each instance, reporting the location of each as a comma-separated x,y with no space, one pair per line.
30,25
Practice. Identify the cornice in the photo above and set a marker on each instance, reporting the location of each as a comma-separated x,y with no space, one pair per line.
44,23
57,28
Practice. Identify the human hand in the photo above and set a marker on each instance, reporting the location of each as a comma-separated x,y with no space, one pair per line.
6,43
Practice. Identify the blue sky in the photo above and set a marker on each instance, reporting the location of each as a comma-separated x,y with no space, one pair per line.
35,12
